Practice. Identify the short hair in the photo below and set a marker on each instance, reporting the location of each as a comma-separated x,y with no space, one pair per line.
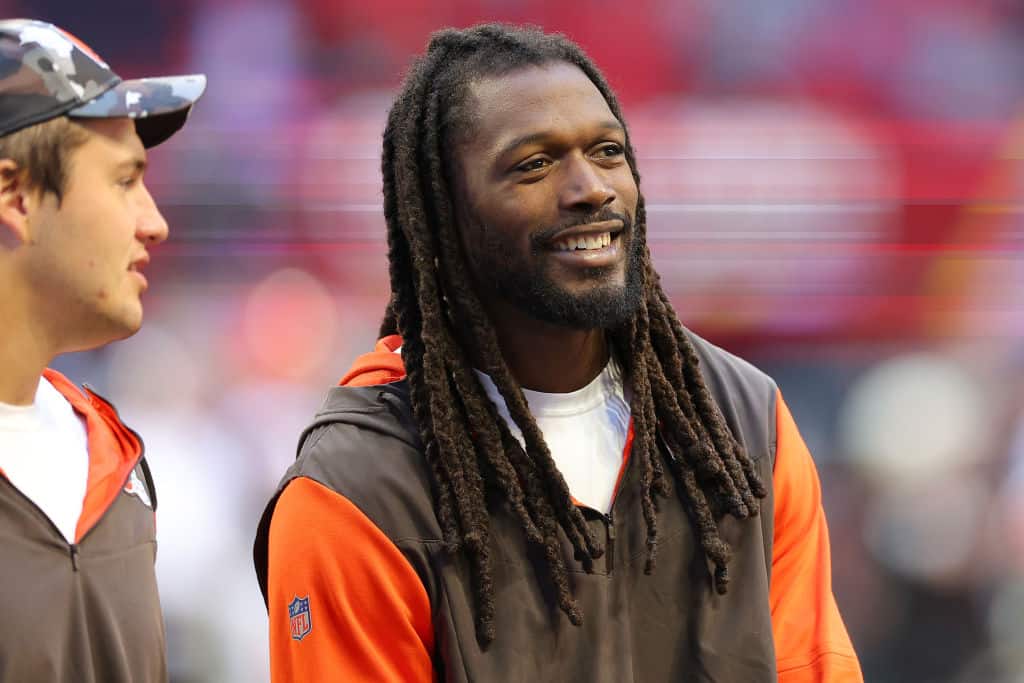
43,152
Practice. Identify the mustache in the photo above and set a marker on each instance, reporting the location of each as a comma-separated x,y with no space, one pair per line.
544,236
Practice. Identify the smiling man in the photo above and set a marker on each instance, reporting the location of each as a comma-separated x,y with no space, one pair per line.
77,504
540,474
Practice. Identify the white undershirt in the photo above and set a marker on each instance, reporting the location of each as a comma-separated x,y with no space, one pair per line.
44,452
585,430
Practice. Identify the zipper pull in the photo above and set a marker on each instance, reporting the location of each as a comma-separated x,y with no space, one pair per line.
74,556
609,551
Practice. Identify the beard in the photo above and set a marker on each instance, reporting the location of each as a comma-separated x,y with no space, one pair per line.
528,284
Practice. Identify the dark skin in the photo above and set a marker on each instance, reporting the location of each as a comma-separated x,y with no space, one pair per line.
543,158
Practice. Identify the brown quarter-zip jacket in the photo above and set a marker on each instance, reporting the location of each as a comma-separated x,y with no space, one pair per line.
86,612
359,587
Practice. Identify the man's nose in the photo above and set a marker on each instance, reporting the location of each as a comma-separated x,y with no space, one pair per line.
151,227
586,187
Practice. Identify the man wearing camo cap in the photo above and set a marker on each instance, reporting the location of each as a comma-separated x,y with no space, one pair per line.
78,592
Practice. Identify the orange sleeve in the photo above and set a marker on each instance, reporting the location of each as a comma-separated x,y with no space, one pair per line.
368,612
811,643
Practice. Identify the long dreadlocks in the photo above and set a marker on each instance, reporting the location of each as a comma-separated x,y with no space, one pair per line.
469,448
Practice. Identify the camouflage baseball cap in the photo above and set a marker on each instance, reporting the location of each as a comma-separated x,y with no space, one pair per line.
46,72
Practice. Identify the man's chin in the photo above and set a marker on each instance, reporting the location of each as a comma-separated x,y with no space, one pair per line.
603,297
122,326
601,307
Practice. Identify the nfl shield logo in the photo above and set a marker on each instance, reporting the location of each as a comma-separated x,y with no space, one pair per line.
298,617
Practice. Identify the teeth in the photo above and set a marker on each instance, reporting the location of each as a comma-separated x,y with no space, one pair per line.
584,242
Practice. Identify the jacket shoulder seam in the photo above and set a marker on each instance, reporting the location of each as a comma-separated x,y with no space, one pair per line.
808,662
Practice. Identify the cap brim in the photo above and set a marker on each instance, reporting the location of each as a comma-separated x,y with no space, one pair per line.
160,106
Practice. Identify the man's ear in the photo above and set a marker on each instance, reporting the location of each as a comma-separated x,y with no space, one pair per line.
15,203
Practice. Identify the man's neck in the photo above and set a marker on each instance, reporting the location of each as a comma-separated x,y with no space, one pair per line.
24,353
546,357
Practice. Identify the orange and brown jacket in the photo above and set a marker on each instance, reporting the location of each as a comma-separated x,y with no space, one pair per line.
359,587
86,611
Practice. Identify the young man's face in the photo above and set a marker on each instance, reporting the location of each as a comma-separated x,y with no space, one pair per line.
85,252
546,199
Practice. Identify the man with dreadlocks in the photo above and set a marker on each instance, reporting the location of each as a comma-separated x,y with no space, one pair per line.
540,474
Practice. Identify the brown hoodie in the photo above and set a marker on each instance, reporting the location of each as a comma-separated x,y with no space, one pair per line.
88,611
359,588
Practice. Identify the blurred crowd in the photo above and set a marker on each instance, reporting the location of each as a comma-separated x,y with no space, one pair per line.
835,191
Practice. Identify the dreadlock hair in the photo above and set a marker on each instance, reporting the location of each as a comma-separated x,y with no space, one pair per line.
470,451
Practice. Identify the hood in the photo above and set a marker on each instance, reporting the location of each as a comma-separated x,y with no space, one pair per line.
114,449
381,366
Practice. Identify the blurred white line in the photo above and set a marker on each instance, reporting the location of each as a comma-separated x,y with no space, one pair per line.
774,207
673,208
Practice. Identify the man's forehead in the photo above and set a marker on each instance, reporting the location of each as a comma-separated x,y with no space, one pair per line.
117,134
531,98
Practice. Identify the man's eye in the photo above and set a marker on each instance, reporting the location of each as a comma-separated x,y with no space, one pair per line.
611,150
126,183
532,165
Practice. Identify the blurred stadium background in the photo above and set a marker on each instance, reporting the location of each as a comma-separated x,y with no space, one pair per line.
835,192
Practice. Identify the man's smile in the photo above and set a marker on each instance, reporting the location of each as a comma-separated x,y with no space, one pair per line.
590,244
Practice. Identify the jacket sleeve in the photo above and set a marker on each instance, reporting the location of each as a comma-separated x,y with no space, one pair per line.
369,614
811,642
